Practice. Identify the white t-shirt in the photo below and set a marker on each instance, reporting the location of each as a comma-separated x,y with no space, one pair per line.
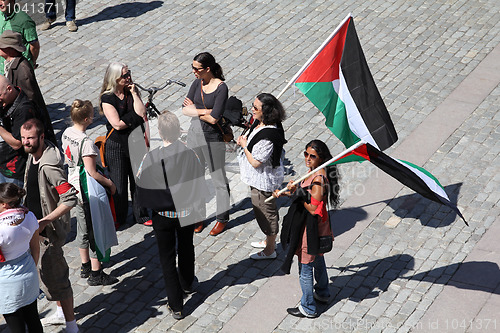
71,140
15,238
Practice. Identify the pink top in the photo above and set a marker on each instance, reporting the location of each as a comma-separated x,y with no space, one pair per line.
323,222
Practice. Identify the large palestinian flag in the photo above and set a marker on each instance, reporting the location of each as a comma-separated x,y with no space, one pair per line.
415,177
98,215
339,83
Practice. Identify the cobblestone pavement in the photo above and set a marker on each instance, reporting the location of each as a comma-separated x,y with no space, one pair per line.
387,278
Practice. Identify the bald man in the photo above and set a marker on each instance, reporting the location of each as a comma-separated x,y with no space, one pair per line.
15,109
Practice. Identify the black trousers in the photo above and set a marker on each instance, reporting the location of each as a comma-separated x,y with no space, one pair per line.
25,316
121,173
166,231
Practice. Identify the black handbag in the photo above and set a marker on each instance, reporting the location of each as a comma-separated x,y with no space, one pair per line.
325,244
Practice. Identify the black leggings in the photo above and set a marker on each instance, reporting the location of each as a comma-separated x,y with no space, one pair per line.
27,315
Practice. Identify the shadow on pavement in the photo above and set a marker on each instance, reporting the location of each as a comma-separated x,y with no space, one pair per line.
367,280
345,219
124,10
242,273
473,275
415,206
141,293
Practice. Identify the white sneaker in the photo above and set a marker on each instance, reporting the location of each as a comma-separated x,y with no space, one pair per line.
260,256
258,245
53,320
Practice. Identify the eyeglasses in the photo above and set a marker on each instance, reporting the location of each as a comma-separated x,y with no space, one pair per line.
197,69
255,108
126,75
312,156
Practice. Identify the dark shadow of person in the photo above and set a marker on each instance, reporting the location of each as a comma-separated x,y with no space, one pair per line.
141,293
128,9
345,219
366,280
241,273
473,275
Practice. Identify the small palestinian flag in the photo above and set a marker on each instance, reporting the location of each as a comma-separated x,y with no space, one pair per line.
415,177
339,83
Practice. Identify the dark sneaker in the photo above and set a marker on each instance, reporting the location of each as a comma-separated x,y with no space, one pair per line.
176,314
102,279
189,289
85,271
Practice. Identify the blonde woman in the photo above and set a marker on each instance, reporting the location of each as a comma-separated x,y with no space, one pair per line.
77,147
121,103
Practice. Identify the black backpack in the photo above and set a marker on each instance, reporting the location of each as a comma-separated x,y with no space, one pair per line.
234,112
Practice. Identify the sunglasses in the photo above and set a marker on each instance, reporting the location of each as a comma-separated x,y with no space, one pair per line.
197,69
126,75
312,156
255,108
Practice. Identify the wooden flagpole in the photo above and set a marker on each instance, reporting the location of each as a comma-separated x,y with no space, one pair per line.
308,62
322,166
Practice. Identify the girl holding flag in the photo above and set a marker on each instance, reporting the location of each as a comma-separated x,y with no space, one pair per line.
306,215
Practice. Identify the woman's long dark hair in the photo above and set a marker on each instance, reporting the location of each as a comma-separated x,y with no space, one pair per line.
208,60
332,172
11,194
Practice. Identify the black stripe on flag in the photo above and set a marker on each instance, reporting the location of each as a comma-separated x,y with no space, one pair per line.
405,175
364,91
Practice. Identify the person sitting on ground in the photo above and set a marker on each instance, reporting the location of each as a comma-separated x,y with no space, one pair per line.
79,148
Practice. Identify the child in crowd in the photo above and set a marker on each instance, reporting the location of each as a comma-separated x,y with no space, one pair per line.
78,148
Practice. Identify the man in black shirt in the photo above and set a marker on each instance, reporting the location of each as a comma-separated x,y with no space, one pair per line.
15,109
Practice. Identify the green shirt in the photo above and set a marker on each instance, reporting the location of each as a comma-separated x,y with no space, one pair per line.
22,23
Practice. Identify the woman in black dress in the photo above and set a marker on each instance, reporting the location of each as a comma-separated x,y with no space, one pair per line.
121,103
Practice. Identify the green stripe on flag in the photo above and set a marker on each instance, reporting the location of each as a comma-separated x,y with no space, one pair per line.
324,97
427,173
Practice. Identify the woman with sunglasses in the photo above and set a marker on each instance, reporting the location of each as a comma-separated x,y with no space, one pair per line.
19,254
306,221
121,103
205,104
261,167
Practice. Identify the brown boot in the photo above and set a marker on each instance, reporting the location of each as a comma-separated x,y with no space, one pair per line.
218,228
198,227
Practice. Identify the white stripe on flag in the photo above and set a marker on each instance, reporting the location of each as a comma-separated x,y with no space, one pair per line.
431,183
356,122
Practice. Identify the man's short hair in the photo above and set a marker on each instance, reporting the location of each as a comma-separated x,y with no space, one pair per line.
34,122
169,126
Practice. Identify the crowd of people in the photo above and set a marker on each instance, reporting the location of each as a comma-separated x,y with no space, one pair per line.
168,189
